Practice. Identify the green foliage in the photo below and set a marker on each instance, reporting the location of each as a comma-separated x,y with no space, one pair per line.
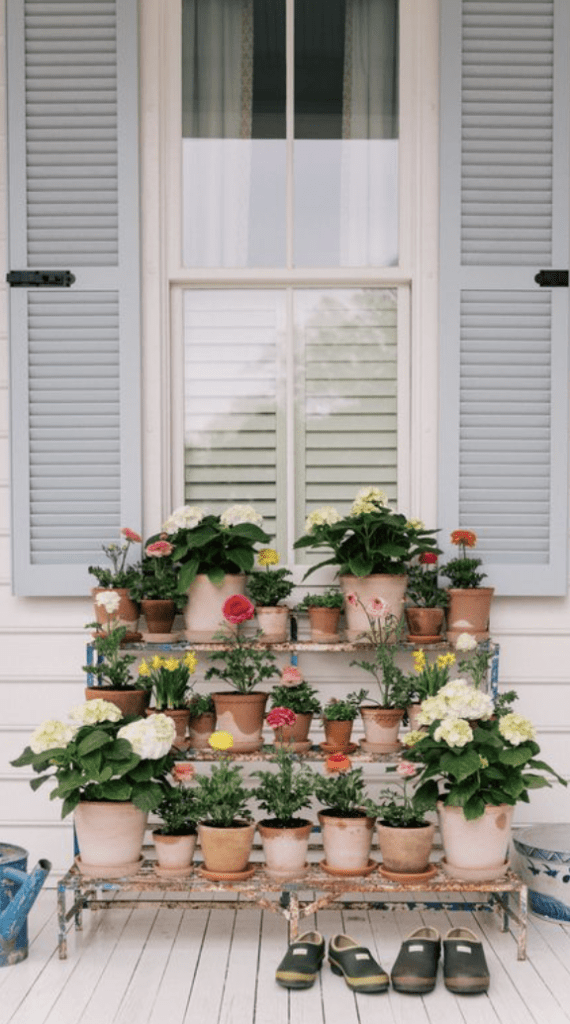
397,807
221,796
301,699
177,811
331,598
475,664
215,550
394,687
429,677
120,574
462,573
244,665
423,590
114,668
270,586
201,704
344,710
342,793
156,579
168,680
285,792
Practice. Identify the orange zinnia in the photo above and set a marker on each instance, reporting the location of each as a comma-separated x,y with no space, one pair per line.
465,537
338,763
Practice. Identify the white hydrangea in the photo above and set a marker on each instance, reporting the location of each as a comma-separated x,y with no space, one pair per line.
456,732
150,737
516,729
50,735
432,708
465,642
327,515
416,524
367,500
238,514
109,600
464,701
186,517
95,711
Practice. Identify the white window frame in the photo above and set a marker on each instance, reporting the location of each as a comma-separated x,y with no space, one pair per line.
164,277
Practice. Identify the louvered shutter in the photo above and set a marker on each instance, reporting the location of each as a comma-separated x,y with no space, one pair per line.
504,216
75,362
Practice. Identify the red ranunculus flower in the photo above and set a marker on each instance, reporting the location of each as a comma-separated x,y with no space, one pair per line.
465,537
278,717
160,549
238,609
428,558
337,763
129,534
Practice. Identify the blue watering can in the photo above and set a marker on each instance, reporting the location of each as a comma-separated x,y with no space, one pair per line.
18,890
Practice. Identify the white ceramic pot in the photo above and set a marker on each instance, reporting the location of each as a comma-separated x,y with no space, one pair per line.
475,851
391,589
285,849
543,862
203,610
110,837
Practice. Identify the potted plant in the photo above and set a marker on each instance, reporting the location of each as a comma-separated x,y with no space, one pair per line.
469,603
154,587
477,760
175,840
110,771
301,698
213,553
428,680
284,836
266,590
324,613
372,546
225,826
110,666
118,578
243,667
338,720
202,720
475,659
346,823
167,680
405,836
426,611
381,716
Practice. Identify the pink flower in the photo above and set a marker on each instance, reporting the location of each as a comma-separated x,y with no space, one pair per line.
160,549
352,599
278,717
129,534
238,609
183,772
407,768
377,608
290,676
428,558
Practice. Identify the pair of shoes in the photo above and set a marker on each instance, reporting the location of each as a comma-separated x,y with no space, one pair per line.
304,957
465,969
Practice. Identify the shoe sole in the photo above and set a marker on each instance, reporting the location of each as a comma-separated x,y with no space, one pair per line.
466,987
377,984
292,980
413,986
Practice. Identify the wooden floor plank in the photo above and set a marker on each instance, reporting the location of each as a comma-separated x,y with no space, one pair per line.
306,1006
208,988
178,977
339,1003
387,938
143,989
41,918
272,1001
238,1002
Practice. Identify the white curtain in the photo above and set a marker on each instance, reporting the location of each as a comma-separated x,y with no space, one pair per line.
369,159
216,128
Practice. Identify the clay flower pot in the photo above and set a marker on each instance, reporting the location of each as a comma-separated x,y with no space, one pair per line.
391,589
180,717
468,612
285,848
226,850
475,851
381,727
174,854
203,610
295,737
159,614
200,729
338,734
110,836
131,702
405,851
425,624
324,625
127,614
347,842
273,621
242,715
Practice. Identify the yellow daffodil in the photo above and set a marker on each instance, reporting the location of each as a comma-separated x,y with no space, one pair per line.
191,661
171,664
156,661
419,661
144,669
221,740
443,660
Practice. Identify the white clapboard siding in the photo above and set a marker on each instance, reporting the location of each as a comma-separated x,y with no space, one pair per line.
234,399
504,159
73,144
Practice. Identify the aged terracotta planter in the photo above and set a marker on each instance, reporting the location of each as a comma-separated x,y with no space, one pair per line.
296,737
174,854
180,717
226,850
338,734
405,851
203,611
200,729
324,625
381,727
110,836
425,624
159,615
285,849
131,702
128,612
468,612
475,851
346,842
391,589
242,715
273,621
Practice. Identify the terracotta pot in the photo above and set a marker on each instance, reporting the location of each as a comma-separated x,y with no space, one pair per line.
180,717
346,841
200,729
127,615
469,612
273,621
203,611
159,615
131,702
289,735
381,727
324,625
425,623
337,734
242,715
110,836
174,854
413,712
391,589
226,850
475,851
405,851
285,849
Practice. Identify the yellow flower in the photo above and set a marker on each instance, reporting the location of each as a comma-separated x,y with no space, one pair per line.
414,736
267,556
419,661
191,661
443,660
221,740
484,761
156,662
144,669
171,664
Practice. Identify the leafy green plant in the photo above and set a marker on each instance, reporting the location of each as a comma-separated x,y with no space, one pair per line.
267,588
331,598
301,699
244,665
155,578
344,710
397,807
221,797
168,679
201,704
394,686
285,792
429,677
111,667
423,590
463,572
342,794
177,811
120,574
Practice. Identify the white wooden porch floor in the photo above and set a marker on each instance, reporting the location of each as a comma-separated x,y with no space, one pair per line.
152,966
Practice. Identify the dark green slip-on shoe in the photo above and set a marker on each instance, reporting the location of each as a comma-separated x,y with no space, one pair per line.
302,961
415,968
361,971
465,969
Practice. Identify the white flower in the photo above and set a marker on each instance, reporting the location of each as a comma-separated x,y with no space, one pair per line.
464,701
327,515
94,711
454,731
465,642
184,518
109,600
51,734
367,500
416,524
516,729
149,737
237,514
432,708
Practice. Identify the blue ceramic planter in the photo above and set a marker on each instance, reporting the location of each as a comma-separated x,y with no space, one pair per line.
544,864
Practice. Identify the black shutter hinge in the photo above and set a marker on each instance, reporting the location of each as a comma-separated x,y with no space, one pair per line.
40,278
552,278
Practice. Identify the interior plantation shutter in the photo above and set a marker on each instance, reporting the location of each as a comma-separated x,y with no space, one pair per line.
75,351
504,344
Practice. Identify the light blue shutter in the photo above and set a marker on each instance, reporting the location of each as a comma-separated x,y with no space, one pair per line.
75,352
504,341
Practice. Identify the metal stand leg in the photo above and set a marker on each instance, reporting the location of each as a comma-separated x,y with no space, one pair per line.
293,916
61,936
523,924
